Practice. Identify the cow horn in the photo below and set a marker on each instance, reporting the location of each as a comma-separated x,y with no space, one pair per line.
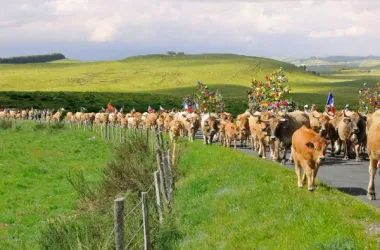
344,114
316,117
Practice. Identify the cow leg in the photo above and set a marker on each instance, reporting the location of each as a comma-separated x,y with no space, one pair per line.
372,172
205,140
338,146
332,148
262,152
234,142
346,149
283,160
357,146
298,172
315,172
309,175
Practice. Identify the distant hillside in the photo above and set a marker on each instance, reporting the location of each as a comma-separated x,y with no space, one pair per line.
32,58
336,61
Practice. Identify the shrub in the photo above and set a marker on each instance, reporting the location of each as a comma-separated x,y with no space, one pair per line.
5,124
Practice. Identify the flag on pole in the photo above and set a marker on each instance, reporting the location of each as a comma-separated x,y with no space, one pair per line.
184,105
161,108
196,105
110,107
150,109
330,101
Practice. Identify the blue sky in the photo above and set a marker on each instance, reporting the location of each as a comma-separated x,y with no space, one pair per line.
115,29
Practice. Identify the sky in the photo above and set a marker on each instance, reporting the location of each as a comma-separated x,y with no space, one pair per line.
115,29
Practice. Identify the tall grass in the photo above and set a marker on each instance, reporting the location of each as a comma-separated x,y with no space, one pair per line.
129,174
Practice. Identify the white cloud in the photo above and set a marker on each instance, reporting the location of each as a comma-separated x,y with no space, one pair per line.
348,32
229,23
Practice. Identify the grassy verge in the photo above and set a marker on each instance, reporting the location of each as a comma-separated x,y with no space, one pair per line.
229,200
34,162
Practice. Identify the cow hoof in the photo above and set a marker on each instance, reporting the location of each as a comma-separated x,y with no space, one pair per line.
358,159
263,157
283,162
371,197
345,158
311,189
300,185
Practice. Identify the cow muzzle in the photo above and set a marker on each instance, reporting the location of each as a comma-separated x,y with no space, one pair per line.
272,138
355,131
321,159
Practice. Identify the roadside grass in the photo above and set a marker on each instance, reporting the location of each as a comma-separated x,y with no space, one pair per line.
226,199
34,163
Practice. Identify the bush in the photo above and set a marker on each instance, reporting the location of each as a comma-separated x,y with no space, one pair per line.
6,124
130,173
39,127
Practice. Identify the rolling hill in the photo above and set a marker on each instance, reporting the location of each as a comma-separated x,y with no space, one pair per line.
176,76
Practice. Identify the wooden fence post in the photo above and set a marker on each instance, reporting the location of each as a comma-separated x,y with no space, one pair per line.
168,177
120,133
162,179
158,141
108,130
119,224
158,198
145,220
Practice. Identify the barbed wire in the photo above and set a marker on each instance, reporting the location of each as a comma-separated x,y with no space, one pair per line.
133,209
134,236
108,239
150,188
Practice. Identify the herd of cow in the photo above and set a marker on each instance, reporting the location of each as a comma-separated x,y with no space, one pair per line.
305,135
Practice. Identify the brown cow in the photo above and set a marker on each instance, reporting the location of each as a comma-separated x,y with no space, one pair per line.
243,130
150,121
192,125
308,151
209,126
231,131
314,117
373,147
328,131
351,130
282,129
259,125
174,131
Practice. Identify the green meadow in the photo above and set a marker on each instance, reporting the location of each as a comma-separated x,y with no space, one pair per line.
177,76
34,164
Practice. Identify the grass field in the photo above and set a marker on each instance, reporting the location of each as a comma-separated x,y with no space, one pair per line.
177,76
226,199
33,186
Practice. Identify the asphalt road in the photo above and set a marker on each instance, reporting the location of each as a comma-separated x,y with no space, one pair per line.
349,176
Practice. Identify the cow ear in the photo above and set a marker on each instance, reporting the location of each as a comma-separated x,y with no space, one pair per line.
310,145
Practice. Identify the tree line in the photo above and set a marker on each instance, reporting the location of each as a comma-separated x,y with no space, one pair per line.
33,58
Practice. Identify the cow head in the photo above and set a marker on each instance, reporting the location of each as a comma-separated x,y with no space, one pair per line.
194,122
213,125
324,120
244,125
275,125
263,122
353,121
317,148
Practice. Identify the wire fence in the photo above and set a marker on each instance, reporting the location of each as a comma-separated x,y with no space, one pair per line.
132,227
